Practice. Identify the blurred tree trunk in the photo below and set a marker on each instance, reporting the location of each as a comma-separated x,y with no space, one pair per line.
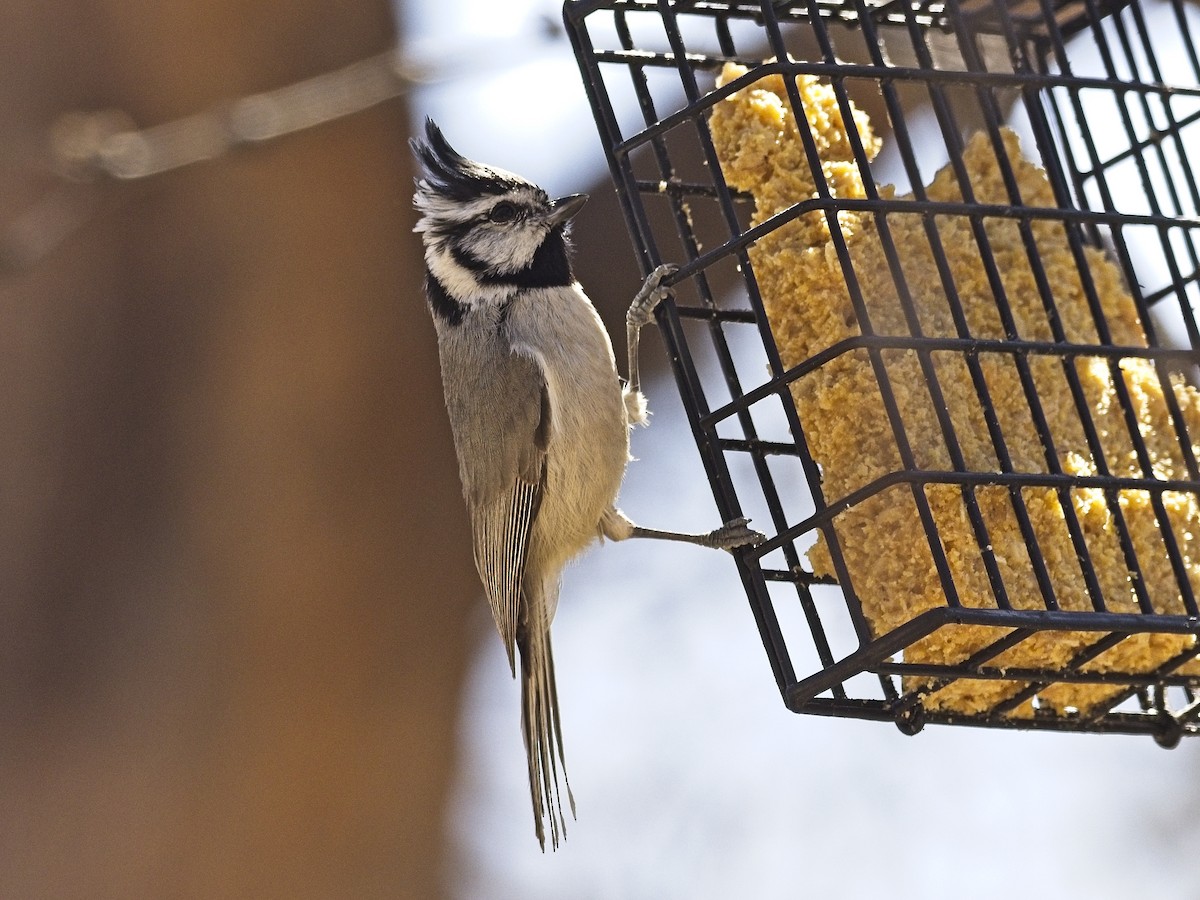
234,571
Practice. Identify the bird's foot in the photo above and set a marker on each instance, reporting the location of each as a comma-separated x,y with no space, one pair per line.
652,293
734,533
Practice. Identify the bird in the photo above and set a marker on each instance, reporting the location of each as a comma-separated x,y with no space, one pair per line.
539,415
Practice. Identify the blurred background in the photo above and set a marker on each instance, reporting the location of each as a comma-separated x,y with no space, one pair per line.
243,649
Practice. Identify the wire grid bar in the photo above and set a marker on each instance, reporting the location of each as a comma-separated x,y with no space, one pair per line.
931,74
1068,15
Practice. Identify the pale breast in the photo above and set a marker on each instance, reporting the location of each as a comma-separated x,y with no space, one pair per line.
589,444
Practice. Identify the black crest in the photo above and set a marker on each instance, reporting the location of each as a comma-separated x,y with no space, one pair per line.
451,174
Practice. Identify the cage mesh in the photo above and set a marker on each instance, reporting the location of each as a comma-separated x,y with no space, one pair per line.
934,331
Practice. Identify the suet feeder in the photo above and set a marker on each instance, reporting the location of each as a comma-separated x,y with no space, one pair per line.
934,331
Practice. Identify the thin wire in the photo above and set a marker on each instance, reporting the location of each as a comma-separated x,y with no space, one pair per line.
90,148
93,144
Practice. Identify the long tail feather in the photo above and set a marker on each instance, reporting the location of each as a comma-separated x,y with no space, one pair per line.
543,734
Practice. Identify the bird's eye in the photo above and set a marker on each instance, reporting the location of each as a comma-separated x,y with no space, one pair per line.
503,213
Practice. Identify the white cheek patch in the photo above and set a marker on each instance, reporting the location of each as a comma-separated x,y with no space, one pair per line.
461,282
504,249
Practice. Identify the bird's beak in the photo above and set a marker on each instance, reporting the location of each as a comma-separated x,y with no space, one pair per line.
562,209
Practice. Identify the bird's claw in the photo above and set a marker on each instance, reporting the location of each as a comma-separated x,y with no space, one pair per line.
733,534
652,293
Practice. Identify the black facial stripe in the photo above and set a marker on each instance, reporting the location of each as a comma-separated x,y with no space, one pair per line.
441,303
468,260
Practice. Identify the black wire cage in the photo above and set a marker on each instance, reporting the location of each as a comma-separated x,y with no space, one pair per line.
934,331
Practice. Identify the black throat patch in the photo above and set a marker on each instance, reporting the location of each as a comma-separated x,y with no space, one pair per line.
550,266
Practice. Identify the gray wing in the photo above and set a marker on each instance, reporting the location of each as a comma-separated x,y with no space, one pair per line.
501,427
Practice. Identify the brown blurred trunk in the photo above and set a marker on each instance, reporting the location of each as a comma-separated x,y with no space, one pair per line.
234,570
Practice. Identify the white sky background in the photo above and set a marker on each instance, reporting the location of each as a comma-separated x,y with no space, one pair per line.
692,779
